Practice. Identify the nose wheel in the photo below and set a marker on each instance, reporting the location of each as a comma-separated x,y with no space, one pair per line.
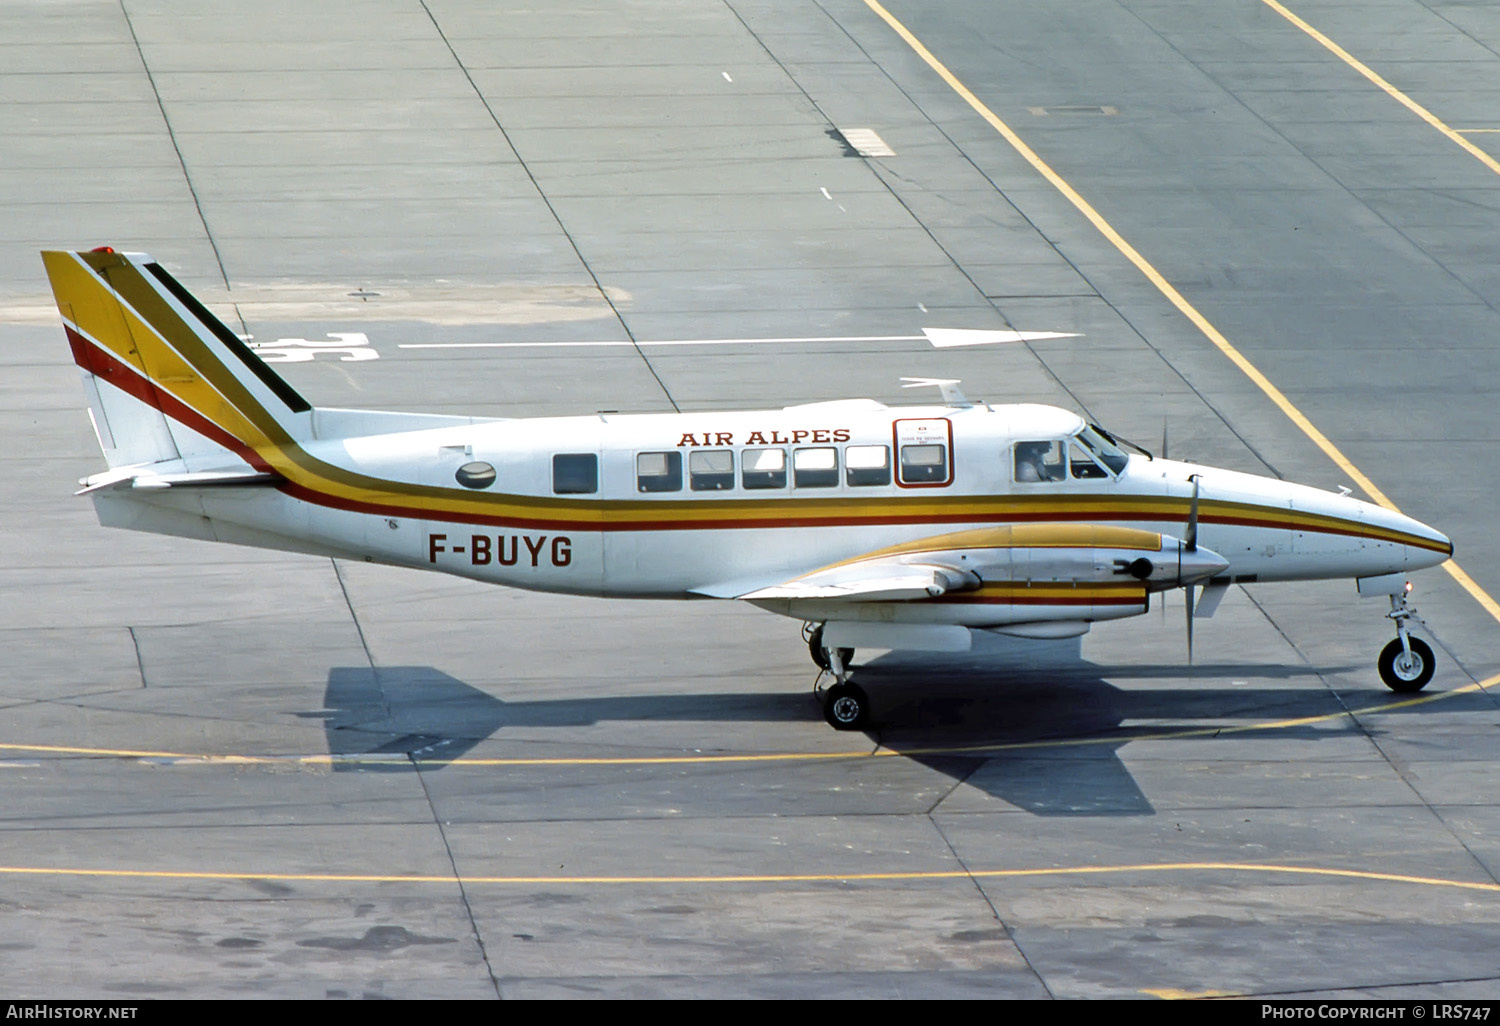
1406,664
1406,671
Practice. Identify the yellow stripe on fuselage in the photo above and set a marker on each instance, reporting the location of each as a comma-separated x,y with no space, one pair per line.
1016,536
127,315
1053,593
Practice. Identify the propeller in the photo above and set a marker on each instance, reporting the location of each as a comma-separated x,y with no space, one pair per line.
1188,591
1189,544
1164,438
1190,539
1213,594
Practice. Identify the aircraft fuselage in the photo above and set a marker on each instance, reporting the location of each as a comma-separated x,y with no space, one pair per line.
677,505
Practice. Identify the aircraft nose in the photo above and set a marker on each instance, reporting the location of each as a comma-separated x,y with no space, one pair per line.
1425,545
1435,548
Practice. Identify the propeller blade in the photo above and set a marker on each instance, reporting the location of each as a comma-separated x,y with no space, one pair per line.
1188,592
1190,542
1164,438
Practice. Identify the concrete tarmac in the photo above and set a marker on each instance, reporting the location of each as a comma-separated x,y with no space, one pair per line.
239,773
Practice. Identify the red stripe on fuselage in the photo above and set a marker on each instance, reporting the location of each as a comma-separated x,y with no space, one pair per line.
108,368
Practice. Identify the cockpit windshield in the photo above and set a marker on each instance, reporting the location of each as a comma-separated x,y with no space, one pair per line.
1102,447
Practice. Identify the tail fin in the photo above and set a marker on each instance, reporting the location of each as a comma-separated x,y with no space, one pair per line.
165,379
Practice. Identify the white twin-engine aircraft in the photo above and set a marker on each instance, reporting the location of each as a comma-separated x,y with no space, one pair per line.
880,527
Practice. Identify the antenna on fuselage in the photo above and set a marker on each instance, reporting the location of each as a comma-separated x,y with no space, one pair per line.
951,392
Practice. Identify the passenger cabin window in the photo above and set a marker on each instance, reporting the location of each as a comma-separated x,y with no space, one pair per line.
815,468
1040,461
763,468
658,471
710,470
867,465
924,452
922,464
575,473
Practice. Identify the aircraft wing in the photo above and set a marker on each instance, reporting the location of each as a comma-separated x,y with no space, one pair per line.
926,568
873,580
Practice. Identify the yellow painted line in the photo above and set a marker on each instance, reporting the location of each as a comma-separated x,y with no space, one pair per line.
399,759
1176,298
1173,994
762,878
766,757
1390,90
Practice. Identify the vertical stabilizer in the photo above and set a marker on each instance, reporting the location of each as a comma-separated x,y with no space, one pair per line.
164,378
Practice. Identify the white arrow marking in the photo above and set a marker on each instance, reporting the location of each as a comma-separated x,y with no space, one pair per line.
947,338
940,338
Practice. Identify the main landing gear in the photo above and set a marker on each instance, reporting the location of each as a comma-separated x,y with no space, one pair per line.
1406,664
845,704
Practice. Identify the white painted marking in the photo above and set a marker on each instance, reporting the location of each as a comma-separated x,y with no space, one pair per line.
668,342
866,142
354,345
948,338
940,338
824,191
726,76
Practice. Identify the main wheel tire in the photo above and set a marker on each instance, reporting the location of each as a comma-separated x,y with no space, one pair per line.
1407,675
820,654
846,707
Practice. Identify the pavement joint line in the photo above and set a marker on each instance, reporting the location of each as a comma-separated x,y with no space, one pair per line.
1455,136
967,875
398,759
1176,298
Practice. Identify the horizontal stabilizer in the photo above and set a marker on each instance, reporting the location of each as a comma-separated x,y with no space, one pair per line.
146,478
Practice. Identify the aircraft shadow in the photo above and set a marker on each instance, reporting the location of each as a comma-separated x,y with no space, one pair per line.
1031,723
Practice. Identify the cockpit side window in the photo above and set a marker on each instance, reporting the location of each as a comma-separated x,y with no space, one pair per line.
1080,465
1040,461
1103,448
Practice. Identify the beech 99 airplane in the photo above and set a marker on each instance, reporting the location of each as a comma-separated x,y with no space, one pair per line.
894,528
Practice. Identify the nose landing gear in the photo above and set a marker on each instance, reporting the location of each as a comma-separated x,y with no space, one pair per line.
1406,664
